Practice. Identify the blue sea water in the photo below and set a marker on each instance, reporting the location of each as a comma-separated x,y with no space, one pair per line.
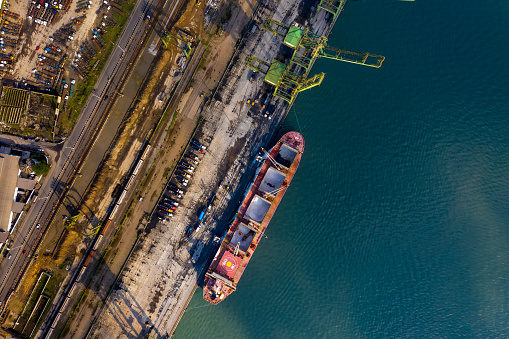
397,222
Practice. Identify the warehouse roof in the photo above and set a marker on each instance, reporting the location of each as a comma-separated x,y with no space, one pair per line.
293,36
26,184
9,169
275,72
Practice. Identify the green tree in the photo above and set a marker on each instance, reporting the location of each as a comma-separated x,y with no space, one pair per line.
41,168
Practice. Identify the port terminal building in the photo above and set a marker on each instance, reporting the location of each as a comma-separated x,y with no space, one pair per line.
17,188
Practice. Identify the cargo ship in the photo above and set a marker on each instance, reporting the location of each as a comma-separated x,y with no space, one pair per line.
270,183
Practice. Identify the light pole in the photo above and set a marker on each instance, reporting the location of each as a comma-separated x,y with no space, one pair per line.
10,249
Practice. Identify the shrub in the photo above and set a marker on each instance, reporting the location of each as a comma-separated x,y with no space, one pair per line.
41,168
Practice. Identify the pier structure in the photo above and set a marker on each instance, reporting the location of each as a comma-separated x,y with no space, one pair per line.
332,6
180,40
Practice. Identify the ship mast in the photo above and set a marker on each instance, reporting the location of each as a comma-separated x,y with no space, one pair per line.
276,191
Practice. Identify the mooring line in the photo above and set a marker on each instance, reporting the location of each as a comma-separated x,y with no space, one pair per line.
191,308
296,117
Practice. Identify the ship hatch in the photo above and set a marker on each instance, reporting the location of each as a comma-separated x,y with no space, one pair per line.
286,155
242,236
257,209
272,181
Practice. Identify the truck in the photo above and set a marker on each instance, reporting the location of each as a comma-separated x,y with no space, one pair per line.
202,214
185,165
181,180
183,174
196,148
168,207
192,159
171,201
165,212
197,144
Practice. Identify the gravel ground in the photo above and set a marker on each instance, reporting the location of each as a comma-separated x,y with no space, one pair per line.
37,35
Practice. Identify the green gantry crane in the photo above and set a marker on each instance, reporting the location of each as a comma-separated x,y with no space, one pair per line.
182,40
292,83
69,223
257,65
276,27
309,46
285,78
293,78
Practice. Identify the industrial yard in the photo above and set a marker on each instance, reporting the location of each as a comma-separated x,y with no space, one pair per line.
149,299
206,89
57,48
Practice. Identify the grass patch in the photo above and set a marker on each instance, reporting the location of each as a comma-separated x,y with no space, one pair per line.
52,286
128,214
167,171
35,295
75,308
227,14
162,120
41,168
84,295
148,175
173,119
37,156
201,64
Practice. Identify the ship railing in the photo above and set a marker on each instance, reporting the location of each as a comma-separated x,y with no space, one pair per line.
217,276
274,162
249,223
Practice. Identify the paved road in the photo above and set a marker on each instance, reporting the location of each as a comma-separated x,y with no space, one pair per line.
72,150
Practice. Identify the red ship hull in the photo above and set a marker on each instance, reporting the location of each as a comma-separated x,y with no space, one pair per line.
253,217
